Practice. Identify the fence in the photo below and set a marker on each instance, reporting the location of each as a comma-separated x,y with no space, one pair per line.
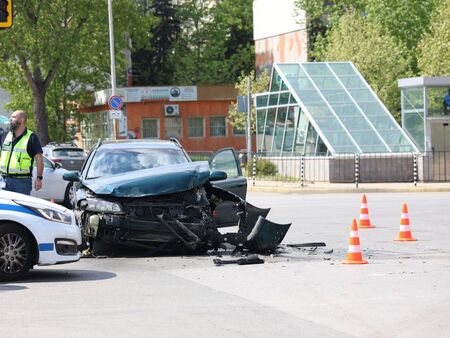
345,168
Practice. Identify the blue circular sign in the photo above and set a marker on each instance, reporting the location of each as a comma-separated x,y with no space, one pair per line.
115,102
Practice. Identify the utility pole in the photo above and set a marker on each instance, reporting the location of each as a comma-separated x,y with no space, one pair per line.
113,59
249,126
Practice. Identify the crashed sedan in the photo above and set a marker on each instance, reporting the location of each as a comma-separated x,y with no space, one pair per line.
148,194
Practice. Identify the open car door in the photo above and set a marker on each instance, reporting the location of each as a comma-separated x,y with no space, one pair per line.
226,160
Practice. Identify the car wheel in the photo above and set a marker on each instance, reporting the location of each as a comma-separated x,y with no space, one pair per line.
68,197
16,252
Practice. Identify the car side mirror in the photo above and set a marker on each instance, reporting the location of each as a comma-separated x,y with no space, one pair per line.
217,176
72,176
58,165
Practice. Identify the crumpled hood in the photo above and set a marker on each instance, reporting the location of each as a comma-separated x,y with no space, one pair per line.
150,182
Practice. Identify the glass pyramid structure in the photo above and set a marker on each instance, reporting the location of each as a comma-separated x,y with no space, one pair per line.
325,108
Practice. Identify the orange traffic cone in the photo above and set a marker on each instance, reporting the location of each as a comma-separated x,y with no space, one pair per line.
354,254
405,231
364,219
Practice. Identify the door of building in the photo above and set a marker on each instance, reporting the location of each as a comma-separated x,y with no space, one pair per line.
440,141
173,127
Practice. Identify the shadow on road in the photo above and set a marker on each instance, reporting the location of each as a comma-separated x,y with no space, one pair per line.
6,287
58,276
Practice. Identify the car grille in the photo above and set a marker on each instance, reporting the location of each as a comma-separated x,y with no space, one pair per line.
72,164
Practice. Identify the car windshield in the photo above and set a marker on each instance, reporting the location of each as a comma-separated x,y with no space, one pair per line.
69,152
118,161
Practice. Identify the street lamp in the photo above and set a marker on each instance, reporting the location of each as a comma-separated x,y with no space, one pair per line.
113,60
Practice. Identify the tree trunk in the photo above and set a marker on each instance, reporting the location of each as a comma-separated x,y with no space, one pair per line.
40,115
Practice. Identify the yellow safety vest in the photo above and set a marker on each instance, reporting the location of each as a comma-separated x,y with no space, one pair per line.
15,161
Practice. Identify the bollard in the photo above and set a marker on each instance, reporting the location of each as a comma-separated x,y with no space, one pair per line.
302,170
254,169
415,169
356,170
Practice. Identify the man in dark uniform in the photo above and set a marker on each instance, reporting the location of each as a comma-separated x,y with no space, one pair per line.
20,148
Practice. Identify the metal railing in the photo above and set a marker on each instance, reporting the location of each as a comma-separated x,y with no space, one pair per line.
344,168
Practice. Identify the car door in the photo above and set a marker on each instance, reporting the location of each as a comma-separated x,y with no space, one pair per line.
53,185
227,161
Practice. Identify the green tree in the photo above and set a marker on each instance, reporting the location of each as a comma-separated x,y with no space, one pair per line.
150,63
258,84
215,44
50,36
434,49
376,54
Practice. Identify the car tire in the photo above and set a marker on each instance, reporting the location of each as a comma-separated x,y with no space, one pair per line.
68,197
16,252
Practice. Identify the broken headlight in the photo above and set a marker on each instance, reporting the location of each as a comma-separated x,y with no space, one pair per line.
99,205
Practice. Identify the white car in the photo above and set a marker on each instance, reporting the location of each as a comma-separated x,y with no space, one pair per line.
53,186
34,232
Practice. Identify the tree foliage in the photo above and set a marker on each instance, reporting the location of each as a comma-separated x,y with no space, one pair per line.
258,84
434,48
381,67
60,47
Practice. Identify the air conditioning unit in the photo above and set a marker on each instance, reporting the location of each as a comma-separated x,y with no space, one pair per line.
171,110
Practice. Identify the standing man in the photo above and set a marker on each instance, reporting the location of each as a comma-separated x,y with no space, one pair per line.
19,150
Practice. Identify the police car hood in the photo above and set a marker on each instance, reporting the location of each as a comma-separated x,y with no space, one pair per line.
39,202
151,182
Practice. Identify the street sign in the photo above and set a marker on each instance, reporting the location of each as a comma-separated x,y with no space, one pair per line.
115,102
115,114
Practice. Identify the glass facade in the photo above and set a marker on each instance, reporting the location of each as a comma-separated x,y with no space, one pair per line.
322,108
424,110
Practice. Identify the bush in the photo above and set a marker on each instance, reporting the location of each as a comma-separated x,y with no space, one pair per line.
263,168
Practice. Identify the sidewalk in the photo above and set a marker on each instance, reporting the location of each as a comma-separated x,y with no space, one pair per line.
324,187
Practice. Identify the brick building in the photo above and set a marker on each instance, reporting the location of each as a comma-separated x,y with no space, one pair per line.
196,115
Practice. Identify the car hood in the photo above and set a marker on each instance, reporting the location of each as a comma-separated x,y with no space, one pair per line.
149,182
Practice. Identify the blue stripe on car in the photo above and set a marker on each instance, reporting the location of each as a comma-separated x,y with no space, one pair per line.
17,208
46,247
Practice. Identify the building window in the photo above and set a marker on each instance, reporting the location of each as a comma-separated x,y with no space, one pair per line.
217,126
150,128
195,127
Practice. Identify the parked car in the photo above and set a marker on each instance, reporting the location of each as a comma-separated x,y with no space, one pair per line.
149,194
69,155
34,232
54,187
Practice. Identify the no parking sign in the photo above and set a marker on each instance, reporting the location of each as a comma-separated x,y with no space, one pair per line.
115,102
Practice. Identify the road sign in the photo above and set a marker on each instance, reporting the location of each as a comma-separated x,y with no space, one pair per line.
115,114
115,102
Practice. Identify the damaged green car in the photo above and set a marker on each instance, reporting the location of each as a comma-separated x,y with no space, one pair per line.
148,194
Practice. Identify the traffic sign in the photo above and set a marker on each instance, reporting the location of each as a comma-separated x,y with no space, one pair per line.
115,114
115,102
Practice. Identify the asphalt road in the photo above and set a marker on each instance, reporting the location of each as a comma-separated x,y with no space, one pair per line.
402,292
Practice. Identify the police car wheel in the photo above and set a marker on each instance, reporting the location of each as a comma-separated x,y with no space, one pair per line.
16,252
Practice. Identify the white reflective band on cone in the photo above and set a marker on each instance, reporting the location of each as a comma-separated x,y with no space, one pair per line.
363,205
354,248
405,228
354,234
404,215
363,216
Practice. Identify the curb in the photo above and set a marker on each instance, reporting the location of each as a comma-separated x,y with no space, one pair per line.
326,190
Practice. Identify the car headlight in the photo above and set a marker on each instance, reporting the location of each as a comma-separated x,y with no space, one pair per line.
47,212
99,205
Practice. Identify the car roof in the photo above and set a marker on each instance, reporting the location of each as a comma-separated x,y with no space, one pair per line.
140,143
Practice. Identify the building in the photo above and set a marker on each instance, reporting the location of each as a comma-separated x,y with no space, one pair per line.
279,31
426,111
196,115
325,108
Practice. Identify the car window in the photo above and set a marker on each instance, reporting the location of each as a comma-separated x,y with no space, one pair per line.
118,161
70,152
225,161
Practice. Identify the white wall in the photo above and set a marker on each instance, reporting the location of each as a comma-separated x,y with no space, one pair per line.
276,17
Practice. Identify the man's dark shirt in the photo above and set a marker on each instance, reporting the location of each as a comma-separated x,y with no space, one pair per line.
33,146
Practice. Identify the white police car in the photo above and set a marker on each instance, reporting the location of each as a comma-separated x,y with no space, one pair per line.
34,231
